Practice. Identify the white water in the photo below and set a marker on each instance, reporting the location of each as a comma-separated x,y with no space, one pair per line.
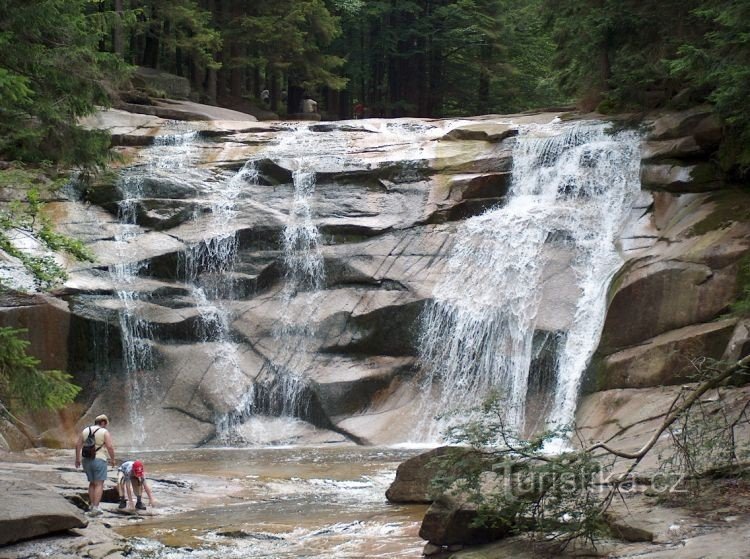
572,187
168,154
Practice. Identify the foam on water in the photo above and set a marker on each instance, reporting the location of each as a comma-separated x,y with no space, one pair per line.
572,187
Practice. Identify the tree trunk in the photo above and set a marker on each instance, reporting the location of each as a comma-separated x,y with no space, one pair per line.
118,36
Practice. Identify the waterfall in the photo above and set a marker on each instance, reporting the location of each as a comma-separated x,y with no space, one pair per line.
572,187
304,272
168,154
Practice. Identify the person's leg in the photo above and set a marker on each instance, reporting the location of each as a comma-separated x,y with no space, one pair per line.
96,498
129,488
138,490
92,494
121,490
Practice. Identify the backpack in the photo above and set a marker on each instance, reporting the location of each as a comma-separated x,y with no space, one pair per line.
90,449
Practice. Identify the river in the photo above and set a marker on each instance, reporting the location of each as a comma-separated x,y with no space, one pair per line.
302,502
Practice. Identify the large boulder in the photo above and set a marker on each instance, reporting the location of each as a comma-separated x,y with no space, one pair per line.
415,478
162,82
453,520
701,123
669,358
30,511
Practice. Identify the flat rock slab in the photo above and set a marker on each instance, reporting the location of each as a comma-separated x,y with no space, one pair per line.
30,510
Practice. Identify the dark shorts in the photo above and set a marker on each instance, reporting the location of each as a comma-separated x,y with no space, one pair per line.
95,468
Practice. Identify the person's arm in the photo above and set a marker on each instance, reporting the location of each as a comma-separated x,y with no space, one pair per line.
110,448
147,489
129,488
79,447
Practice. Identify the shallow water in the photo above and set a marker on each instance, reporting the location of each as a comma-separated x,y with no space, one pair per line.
302,502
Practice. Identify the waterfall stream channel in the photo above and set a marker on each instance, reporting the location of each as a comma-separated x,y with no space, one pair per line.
492,318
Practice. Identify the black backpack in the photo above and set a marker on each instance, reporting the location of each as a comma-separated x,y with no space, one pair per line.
90,449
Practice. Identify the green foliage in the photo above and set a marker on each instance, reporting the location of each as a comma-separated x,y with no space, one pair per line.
515,483
51,73
24,218
447,57
22,385
291,36
719,65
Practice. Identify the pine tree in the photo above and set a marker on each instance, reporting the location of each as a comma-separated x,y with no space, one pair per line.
23,386
51,73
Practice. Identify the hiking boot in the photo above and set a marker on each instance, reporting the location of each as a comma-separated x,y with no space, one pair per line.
140,506
95,511
123,504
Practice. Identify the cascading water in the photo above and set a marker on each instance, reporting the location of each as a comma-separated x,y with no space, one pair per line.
572,187
168,154
304,276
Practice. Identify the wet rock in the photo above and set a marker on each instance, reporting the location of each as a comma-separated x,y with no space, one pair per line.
663,360
166,214
487,132
29,511
651,298
677,177
451,520
414,478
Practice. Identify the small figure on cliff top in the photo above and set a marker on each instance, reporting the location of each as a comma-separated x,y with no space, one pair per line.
93,447
131,479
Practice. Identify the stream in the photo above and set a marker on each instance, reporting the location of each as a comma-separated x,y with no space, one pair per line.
283,502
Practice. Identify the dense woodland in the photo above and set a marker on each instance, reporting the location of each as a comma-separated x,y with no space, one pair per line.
430,58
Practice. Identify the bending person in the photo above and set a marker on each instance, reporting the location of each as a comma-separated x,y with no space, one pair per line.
131,479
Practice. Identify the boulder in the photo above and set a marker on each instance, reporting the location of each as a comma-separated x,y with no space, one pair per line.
171,109
30,511
627,418
48,344
677,148
651,298
451,520
414,478
663,360
161,82
700,122
678,177
482,131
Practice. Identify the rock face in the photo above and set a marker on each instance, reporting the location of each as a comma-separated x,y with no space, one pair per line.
685,259
161,331
196,241
30,511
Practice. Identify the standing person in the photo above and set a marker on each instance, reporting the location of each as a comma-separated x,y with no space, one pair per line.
94,446
131,478
359,110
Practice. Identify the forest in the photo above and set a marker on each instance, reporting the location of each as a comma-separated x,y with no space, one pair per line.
429,58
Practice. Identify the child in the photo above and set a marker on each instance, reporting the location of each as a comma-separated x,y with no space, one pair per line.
131,478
